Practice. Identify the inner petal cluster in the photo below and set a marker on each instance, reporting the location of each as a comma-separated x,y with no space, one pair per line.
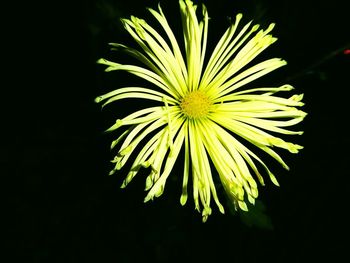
195,104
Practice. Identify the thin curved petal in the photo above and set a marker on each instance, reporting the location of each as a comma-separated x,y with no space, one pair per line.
207,109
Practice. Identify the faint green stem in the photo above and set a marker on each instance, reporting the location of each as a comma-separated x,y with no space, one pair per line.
319,62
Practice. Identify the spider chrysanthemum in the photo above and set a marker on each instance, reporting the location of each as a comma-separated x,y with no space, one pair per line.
202,109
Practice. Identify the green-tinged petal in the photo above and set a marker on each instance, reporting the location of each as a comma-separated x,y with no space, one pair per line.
175,47
257,137
159,185
245,77
121,137
184,195
136,118
128,92
156,65
203,108
225,165
270,125
269,90
225,50
169,64
206,183
238,164
272,99
160,63
142,73
250,50
142,156
134,139
194,161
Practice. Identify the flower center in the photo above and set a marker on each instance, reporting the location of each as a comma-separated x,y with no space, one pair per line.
196,104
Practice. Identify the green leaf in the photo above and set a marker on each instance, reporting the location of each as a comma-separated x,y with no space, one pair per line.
256,216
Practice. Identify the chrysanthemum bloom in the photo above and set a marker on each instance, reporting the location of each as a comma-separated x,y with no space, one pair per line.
203,109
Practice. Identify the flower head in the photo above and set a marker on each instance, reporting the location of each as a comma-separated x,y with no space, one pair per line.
203,109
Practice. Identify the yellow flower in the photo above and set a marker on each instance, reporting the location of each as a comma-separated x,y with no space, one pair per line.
202,109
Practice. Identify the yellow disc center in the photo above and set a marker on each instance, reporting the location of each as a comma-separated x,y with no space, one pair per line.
196,104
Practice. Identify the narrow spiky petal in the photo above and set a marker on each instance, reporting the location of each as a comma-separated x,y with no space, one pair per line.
202,109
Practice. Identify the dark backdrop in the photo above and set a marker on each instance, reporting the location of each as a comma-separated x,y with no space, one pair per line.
64,207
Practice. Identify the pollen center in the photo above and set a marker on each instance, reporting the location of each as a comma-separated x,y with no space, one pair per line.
196,104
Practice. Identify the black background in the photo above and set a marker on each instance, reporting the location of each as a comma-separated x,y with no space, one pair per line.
64,207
